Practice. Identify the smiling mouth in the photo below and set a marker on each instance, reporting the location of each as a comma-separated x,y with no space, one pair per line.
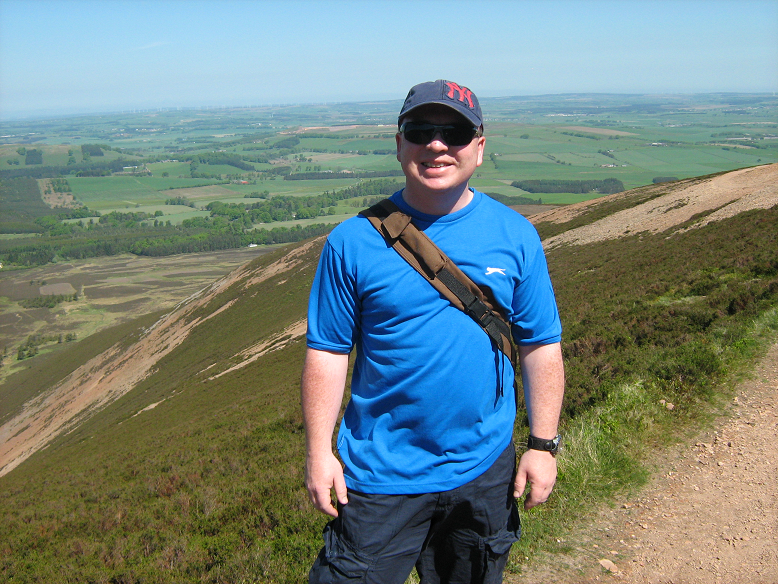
434,164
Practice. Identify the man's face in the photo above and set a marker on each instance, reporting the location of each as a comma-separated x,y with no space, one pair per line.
436,169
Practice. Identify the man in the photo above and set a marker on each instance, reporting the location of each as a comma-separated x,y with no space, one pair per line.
426,438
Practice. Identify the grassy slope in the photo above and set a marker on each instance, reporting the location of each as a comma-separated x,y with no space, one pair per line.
50,367
207,486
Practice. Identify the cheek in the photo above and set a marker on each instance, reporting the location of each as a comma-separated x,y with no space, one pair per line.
400,155
406,154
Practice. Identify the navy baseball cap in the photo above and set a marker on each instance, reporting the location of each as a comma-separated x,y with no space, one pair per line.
448,93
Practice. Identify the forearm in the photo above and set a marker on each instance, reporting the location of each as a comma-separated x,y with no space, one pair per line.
542,372
322,387
543,377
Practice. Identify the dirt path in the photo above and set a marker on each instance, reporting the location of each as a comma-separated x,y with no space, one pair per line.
709,516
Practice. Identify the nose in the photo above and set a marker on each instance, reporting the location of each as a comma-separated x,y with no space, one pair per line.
437,143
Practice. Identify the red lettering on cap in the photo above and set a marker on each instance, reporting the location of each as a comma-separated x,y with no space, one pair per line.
464,92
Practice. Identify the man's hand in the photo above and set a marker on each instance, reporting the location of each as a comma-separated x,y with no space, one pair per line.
537,468
321,476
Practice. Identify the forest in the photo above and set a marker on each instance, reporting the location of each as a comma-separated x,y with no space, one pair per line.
607,186
228,226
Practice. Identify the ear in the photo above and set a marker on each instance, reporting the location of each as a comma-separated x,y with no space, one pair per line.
398,140
481,144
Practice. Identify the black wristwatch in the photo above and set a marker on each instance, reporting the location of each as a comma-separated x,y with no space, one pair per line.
551,446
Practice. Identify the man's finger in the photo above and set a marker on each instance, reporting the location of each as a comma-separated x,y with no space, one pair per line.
519,485
322,500
341,492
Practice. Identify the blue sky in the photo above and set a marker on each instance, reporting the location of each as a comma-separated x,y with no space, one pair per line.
85,56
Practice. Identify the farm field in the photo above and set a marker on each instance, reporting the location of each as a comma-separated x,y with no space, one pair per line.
111,290
541,137
199,179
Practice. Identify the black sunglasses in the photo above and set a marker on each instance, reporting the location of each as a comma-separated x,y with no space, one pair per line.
452,134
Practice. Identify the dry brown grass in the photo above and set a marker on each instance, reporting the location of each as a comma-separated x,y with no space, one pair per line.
721,196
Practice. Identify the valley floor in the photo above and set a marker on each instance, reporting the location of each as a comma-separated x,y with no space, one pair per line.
709,515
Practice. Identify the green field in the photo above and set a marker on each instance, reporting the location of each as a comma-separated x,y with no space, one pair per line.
544,137
101,193
134,163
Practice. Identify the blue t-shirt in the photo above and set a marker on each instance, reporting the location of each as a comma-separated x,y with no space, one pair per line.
427,411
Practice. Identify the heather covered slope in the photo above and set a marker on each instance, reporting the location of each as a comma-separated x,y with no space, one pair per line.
194,471
111,373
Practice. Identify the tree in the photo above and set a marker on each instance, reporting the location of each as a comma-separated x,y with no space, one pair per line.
33,157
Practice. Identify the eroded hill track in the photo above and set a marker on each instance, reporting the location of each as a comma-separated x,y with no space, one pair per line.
669,206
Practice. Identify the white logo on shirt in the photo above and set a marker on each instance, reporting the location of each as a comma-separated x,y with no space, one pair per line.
490,271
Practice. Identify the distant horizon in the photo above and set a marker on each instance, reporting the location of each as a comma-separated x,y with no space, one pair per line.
83,57
44,116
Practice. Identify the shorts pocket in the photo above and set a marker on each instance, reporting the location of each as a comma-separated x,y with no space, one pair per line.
501,542
497,548
338,561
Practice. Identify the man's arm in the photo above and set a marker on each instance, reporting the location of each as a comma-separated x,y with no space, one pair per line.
543,375
323,384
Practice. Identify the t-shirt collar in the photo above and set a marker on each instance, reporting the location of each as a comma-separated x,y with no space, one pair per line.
398,200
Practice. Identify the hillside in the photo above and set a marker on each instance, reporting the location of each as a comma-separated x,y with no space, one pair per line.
665,207
154,432
174,453
117,370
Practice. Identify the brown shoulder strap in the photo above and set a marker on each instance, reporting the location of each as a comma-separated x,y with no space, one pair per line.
425,257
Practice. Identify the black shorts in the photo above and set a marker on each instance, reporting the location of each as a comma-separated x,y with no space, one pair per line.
458,536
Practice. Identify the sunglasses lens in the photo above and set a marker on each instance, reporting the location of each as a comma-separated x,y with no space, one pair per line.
419,136
458,135
454,135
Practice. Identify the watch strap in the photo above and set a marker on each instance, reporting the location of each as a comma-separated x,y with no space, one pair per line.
535,443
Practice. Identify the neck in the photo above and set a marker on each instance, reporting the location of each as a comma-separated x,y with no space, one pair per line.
434,203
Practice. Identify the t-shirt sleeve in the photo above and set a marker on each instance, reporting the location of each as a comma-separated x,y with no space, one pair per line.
332,306
535,315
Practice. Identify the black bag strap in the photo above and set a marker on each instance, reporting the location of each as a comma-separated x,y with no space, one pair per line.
425,257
